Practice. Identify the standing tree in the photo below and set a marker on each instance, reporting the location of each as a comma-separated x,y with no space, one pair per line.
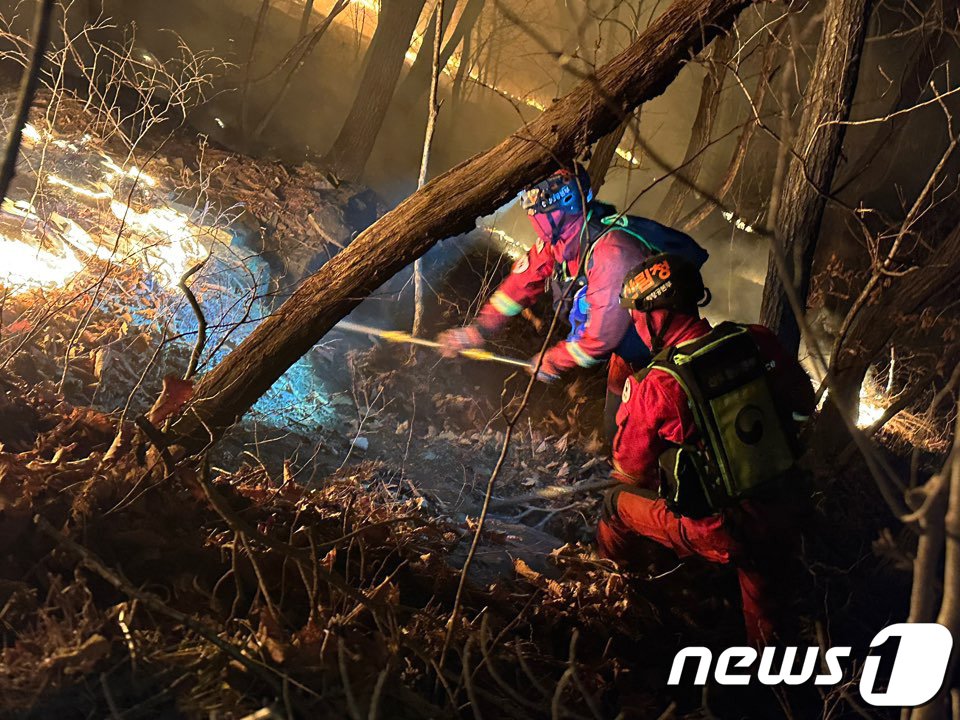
814,162
603,153
446,205
940,24
432,112
305,18
417,79
673,204
382,65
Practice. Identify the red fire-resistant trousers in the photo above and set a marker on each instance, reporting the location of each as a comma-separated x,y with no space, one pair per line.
761,551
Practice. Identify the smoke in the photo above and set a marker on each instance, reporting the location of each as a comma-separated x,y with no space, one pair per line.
516,70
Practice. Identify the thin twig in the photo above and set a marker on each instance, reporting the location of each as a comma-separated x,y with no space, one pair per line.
115,578
201,320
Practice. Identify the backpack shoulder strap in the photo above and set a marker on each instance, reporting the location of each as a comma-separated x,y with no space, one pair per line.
661,361
704,344
621,222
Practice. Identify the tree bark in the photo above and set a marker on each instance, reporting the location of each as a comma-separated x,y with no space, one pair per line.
448,205
468,19
309,45
248,70
305,18
603,154
924,591
676,197
432,111
382,65
949,615
417,80
931,53
460,79
811,170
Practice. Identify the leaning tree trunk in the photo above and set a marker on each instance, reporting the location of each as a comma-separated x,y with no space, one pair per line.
382,65
699,214
468,18
700,133
29,81
305,19
812,167
445,206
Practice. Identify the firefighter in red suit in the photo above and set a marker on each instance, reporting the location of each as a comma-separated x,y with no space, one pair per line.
657,418
572,246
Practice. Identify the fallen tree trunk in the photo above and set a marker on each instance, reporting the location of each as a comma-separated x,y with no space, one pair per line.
445,206
810,175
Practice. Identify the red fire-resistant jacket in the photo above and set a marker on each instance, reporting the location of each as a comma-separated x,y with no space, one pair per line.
613,256
654,414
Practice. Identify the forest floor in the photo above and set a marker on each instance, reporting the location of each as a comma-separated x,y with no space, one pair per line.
320,583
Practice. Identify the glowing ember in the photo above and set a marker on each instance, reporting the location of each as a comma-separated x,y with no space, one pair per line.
510,246
76,189
176,247
132,172
30,134
26,268
163,241
872,404
870,410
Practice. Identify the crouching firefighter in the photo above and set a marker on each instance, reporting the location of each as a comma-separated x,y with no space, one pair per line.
707,442
586,243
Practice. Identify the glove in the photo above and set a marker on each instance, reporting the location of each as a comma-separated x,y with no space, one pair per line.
453,341
547,372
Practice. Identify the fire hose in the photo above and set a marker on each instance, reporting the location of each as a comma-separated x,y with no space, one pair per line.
397,336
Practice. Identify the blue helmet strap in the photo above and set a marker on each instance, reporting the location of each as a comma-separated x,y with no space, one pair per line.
554,229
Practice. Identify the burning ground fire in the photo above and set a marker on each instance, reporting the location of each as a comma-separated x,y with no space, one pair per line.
51,252
86,220
909,428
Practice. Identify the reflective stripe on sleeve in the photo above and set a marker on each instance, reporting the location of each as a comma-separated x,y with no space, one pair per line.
581,358
505,305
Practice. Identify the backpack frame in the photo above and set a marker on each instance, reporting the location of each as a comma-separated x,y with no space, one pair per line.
745,449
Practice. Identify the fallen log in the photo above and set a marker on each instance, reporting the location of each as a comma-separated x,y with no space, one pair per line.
552,492
446,206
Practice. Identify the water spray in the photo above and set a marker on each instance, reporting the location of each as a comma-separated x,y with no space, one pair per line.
397,336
